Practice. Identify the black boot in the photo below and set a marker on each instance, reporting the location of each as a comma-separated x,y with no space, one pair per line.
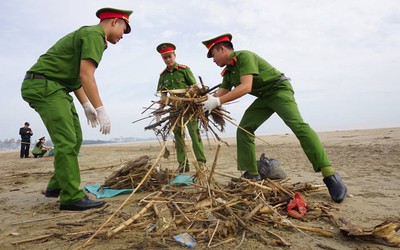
248,176
336,187
251,177
82,204
52,193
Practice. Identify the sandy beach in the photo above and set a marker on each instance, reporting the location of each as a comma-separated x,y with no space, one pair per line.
367,160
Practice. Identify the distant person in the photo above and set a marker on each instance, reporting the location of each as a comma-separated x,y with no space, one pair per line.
25,132
178,77
69,66
40,149
247,73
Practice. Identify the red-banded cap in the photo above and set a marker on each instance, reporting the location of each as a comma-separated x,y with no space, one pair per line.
106,13
165,48
213,41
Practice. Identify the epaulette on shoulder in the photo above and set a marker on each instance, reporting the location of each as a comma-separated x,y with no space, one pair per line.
162,72
233,61
182,66
224,71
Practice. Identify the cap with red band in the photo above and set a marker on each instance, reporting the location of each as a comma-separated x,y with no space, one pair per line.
165,48
107,13
213,41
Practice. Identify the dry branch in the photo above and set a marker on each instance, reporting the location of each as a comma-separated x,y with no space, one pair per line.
384,233
181,106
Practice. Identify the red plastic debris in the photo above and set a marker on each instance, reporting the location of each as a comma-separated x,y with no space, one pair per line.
296,207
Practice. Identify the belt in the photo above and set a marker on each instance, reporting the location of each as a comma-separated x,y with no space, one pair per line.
273,85
281,79
34,76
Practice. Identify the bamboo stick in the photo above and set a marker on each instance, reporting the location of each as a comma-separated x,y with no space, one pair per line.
41,219
214,164
212,236
75,224
222,242
130,220
248,132
241,241
246,180
197,230
215,190
180,211
33,239
319,231
283,241
253,212
279,187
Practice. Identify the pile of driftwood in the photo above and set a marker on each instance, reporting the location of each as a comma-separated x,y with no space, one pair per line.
130,175
209,214
213,214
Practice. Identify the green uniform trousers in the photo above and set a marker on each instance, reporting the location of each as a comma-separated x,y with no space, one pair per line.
280,100
56,108
197,143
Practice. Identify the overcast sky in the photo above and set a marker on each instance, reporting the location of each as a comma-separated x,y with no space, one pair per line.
343,57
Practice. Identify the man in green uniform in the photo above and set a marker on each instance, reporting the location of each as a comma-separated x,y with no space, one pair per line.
69,66
247,73
178,77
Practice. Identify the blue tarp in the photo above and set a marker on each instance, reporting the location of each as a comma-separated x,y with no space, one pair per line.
106,192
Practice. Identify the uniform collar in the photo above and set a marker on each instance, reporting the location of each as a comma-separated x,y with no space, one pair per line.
103,33
232,59
176,67
232,62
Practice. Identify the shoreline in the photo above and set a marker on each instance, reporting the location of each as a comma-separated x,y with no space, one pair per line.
229,138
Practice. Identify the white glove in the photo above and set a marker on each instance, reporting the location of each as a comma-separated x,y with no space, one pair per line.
105,123
91,114
211,103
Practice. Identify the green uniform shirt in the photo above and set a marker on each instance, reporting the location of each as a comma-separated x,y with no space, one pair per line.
61,63
37,149
245,62
179,78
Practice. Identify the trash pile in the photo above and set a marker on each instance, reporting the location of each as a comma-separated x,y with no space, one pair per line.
130,175
204,212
